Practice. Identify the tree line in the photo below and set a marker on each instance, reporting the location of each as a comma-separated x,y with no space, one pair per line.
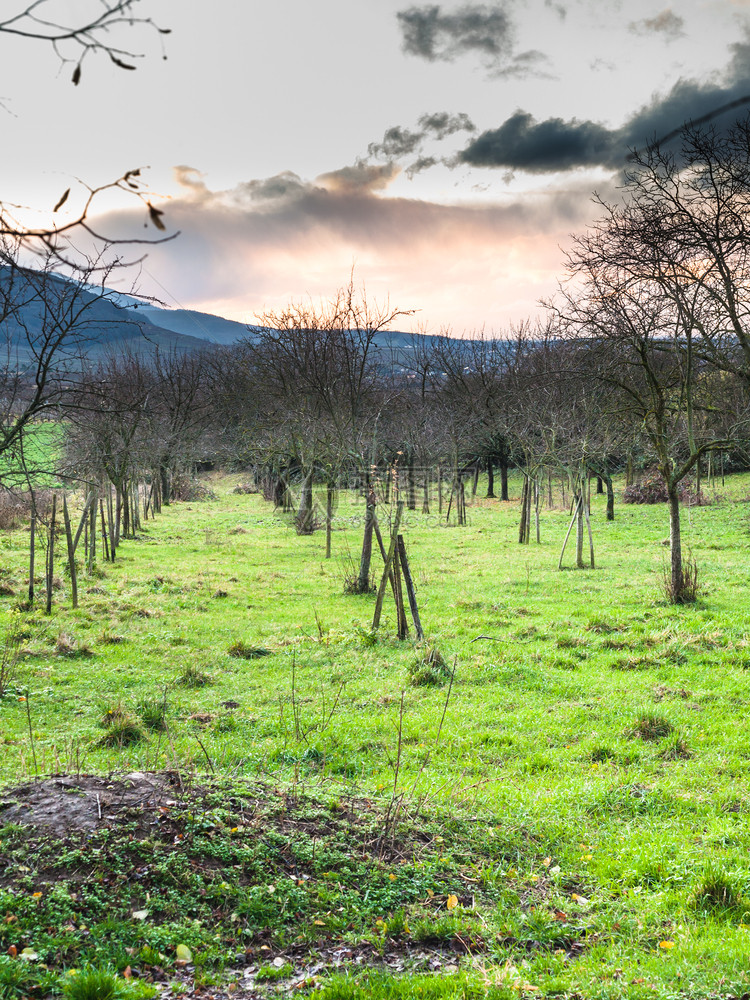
642,360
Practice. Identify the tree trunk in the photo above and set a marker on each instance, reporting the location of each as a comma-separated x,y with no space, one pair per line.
610,498
165,484
305,513
490,478
329,518
599,485
676,579
503,478
411,496
363,580
522,525
475,481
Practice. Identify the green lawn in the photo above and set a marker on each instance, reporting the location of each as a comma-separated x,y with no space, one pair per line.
586,805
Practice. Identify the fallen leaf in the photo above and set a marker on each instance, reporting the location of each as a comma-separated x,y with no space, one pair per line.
29,955
184,954
666,945
452,902
140,914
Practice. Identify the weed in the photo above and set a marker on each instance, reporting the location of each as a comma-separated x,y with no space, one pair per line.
94,984
153,712
17,630
193,677
123,731
675,747
430,669
16,978
65,646
242,650
650,727
112,713
273,973
688,589
718,890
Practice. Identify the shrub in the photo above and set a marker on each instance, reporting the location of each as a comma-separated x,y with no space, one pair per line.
191,490
652,489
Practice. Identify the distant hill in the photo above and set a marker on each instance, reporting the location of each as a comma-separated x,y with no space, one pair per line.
190,323
115,321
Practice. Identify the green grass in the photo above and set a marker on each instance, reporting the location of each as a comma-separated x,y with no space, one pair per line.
589,781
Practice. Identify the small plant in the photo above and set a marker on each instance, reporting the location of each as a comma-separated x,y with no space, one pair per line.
16,978
675,747
688,588
65,646
94,984
193,677
242,650
108,638
429,670
153,712
651,727
718,890
273,973
123,731
600,754
17,631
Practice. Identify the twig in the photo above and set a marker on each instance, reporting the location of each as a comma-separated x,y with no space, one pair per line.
210,763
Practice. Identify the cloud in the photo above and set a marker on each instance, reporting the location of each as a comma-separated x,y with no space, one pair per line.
475,29
269,240
666,23
399,142
523,143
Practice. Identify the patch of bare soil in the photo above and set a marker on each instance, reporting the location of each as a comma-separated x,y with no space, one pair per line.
64,804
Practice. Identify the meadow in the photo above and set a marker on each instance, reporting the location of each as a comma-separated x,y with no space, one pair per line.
557,805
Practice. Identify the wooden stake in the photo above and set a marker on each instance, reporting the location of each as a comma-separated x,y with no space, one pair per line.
51,555
387,568
71,553
567,536
410,591
32,554
104,530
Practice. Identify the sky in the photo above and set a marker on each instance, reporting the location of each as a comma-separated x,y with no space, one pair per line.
443,151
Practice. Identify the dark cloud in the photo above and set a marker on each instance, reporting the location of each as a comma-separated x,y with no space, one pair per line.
484,30
666,23
522,143
398,141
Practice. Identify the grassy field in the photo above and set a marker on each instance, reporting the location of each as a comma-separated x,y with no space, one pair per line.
569,818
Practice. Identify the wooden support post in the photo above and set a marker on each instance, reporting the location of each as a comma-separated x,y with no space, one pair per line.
410,591
71,553
104,530
387,568
32,555
51,555
567,536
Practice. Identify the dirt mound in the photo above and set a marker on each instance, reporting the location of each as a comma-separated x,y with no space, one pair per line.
68,803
